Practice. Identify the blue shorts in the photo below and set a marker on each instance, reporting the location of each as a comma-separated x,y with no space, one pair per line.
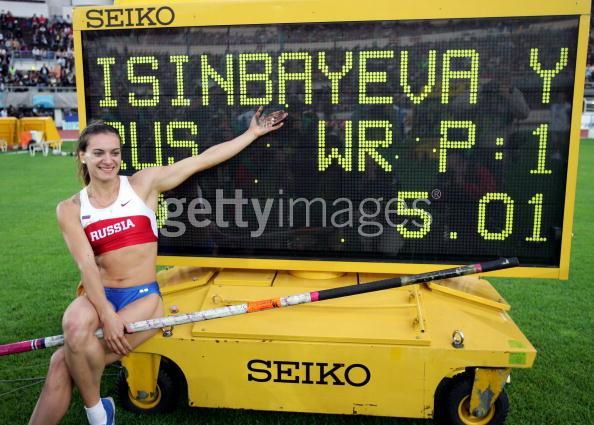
121,297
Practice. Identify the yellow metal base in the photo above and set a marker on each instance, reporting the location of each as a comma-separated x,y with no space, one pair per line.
141,371
381,353
488,384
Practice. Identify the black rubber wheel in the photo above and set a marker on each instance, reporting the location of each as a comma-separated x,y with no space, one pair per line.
454,405
168,393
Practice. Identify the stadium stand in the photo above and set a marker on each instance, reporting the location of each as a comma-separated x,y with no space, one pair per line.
35,52
37,76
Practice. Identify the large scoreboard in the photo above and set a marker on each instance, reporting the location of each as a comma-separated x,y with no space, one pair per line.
416,137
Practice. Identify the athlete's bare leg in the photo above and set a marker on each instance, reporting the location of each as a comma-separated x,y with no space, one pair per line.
84,353
57,391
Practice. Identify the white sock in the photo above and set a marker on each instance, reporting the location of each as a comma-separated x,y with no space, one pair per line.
96,414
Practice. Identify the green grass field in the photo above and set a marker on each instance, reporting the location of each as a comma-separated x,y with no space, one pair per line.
37,281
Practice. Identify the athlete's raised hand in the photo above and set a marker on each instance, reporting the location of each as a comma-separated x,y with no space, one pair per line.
264,124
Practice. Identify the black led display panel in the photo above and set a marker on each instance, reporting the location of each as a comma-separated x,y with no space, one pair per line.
412,141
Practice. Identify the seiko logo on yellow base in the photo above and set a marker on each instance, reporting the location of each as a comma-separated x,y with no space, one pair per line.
130,17
356,375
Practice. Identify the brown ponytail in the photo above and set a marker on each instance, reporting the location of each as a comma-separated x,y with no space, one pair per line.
95,127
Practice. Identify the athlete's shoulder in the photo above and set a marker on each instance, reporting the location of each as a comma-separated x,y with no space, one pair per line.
69,207
142,181
144,176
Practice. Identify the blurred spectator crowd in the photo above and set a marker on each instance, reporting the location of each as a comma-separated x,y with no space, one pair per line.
45,41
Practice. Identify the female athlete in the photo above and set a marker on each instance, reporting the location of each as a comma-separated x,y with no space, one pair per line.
110,229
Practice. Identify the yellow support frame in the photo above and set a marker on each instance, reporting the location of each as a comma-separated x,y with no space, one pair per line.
142,372
488,384
228,12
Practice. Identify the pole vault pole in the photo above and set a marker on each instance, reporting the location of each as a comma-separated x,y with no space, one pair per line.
254,306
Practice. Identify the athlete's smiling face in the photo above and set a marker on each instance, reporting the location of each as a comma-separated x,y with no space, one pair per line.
103,156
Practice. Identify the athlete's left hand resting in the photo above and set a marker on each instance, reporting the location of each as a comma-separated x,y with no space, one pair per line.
155,180
113,332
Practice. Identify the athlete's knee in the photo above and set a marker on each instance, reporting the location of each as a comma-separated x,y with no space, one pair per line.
79,325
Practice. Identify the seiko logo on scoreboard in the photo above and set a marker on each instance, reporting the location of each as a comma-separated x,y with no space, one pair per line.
130,17
288,372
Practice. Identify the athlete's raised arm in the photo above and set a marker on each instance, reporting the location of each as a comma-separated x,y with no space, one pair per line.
161,179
